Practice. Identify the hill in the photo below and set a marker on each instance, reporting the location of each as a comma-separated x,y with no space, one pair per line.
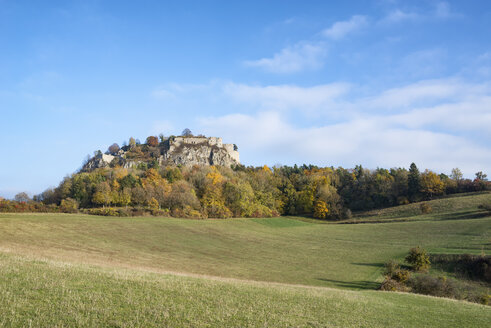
37,292
182,150
82,270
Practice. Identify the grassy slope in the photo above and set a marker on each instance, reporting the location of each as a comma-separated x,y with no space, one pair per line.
43,293
451,207
280,250
284,250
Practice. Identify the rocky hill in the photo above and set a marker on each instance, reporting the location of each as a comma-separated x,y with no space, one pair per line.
183,150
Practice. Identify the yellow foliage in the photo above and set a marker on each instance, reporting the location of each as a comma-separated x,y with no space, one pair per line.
153,203
266,169
320,210
214,176
114,185
152,178
120,173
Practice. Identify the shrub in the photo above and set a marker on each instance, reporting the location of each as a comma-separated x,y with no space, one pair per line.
425,208
392,285
346,214
69,205
485,206
393,271
436,286
476,267
419,259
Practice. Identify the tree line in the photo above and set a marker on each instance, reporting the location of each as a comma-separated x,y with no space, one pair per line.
239,191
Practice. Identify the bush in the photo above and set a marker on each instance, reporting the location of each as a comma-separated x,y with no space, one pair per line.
104,211
436,286
69,205
392,285
393,271
485,206
446,287
476,267
425,208
419,259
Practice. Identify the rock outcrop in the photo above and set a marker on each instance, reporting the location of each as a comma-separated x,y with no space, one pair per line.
173,151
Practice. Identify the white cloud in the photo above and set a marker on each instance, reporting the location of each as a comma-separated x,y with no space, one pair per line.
307,55
268,138
300,57
340,29
439,124
281,97
398,16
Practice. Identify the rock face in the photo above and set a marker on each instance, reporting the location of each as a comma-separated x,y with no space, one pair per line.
173,151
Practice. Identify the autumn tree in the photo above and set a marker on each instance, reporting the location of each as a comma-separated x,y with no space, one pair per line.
102,196
113,149
320,210
152,141
480,180
22,197
132,142
239,198
431,184
457,175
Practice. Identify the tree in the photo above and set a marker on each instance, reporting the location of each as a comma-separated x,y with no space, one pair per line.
113,149
456,175
418,258
431,184
22,197
413,182
481,176
152,141
102,196
320,209
161,137
186,133
69,205
480,181
132,142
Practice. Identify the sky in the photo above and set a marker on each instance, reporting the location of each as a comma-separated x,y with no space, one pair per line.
377,83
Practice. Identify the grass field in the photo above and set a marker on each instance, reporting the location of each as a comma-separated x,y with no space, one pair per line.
51,294
226,272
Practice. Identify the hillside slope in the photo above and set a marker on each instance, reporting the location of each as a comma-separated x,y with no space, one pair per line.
44,293
277,249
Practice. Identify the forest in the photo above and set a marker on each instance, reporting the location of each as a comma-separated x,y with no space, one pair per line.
221,192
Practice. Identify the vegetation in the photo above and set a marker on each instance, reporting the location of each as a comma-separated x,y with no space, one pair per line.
418,259
221,192
80,270
472,267
45,293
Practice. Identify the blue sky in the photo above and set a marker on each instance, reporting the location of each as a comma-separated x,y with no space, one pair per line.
377,83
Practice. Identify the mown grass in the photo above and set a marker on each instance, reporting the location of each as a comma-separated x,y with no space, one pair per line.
459,206
276,250
42,293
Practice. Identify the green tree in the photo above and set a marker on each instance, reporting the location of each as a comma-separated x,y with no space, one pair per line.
413,182
102,196
418,258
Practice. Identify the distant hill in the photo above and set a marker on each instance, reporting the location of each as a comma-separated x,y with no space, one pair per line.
182,150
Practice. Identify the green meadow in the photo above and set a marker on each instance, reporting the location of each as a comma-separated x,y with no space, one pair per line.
80,270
